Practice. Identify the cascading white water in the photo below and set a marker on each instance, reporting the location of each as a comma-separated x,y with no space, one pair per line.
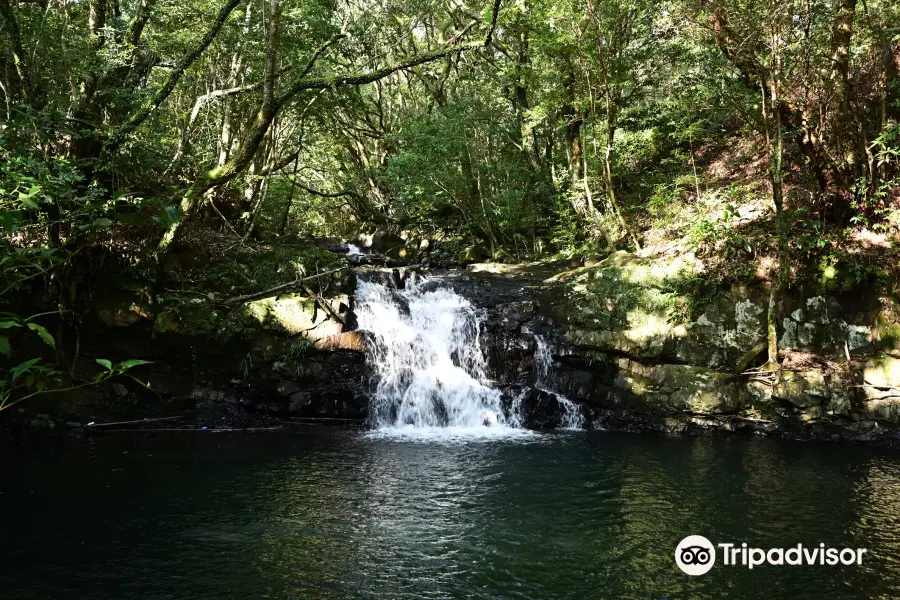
424,347
572,417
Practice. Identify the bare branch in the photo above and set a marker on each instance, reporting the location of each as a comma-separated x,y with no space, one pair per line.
279,288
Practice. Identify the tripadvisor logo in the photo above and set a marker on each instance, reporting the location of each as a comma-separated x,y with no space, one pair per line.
696,555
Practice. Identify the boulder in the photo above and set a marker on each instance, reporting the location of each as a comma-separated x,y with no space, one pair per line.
540,409
380,241
882,372
474,254
817,324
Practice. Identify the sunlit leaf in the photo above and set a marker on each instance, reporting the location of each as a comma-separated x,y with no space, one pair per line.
45,335
132,363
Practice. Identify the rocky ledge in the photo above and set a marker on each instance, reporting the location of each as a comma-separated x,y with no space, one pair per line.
627,339
635,346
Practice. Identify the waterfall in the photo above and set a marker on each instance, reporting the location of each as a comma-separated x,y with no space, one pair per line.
572,417
426,354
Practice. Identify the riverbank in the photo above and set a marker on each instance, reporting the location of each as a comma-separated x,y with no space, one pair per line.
637,343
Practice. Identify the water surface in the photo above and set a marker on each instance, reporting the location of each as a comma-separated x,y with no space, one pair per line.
329,513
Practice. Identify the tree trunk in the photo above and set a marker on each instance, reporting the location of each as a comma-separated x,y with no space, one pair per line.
775,145
573,138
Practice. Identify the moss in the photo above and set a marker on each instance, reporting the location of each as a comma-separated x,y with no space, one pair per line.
625,292
290,314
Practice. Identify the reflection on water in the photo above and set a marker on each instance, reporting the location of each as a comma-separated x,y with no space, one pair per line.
337,514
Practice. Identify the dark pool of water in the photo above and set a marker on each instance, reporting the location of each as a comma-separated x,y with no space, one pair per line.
339,514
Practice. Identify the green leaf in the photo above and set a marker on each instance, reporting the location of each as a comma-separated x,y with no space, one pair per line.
169,216
8,324
105,364
45,335
27,202
9,219
124,366
23,367
4,346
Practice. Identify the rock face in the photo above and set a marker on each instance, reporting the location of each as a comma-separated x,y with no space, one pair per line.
639,352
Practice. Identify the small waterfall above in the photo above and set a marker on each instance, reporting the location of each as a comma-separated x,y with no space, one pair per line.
426,354
572,416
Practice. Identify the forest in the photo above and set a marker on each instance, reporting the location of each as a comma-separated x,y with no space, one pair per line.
214,148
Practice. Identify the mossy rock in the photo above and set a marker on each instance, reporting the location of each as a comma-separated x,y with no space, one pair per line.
803,390
473,254
192,317
658,308
664,388
883,372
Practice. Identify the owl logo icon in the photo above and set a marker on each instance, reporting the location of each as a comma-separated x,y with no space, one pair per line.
695,555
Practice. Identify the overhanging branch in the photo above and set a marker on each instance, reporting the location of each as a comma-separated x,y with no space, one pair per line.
322,83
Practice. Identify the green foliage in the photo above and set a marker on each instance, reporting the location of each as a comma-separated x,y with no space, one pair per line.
293,354
719,234
32,376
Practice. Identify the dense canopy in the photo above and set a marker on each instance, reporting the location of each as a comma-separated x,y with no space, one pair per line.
761,135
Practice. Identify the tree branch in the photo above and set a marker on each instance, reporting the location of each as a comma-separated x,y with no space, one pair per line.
372,76
315,192
279,288
280,164
318,53
136,27
490,32
195,112
186,61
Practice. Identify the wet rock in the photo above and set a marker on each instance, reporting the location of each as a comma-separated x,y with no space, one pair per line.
118,389
380,241
120,309
171,384
205,394
286,388
541,409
